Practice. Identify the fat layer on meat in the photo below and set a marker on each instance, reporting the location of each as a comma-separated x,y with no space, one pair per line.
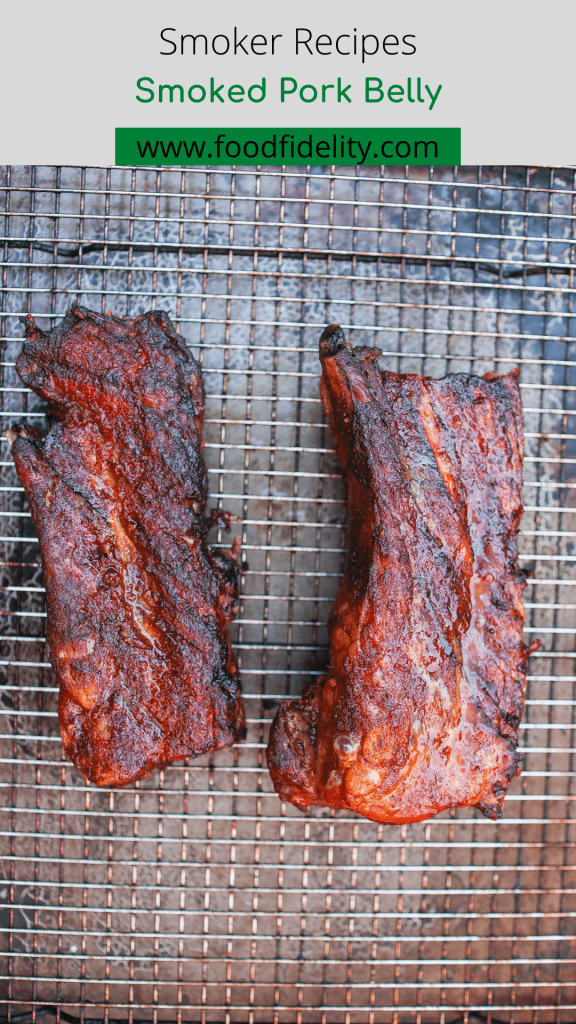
420,707
137,603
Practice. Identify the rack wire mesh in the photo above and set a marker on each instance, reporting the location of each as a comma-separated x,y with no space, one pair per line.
196,895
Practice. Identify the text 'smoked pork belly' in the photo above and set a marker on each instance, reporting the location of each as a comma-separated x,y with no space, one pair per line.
138,604
420,708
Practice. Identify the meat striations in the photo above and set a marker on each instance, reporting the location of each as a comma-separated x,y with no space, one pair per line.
138,604
420,708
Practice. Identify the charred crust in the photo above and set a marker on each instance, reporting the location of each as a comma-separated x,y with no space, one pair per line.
20,432
492,811
332,340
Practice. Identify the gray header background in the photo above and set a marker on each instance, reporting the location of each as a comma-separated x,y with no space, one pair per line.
506,69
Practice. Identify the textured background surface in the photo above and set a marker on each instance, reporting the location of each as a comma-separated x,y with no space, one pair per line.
196,895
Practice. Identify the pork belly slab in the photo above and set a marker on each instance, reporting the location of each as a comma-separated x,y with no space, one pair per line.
138,604
420,707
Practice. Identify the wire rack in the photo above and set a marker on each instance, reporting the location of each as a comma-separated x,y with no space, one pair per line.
196,895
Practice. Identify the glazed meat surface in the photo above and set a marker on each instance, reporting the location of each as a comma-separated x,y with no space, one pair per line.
137,602
420,708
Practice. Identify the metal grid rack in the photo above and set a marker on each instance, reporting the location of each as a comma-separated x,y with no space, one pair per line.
196,895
